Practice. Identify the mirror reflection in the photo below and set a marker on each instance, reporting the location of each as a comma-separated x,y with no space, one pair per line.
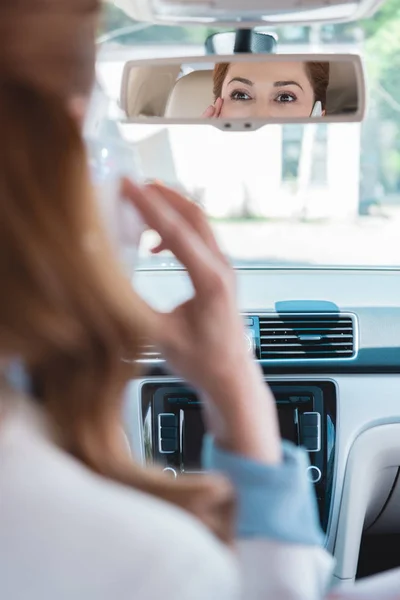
261,89
269,90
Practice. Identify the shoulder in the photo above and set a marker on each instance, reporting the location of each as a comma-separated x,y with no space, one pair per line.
98,536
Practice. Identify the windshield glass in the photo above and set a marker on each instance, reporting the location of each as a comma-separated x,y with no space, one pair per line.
293,195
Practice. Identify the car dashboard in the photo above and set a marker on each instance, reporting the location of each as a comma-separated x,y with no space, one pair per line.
328,341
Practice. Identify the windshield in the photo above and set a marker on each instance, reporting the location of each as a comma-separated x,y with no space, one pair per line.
293,195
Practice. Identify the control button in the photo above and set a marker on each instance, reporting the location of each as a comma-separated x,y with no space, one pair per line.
314,474
169,433
311,419
168,420
311,443
310,431
171,472
168,446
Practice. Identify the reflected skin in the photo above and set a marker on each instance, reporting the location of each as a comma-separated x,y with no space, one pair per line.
264,90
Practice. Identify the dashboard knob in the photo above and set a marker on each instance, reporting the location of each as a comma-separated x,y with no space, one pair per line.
171,472
314,474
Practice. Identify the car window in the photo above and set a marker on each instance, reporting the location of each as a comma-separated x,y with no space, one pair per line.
326,194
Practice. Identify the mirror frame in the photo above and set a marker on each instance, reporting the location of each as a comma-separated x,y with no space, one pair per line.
246,124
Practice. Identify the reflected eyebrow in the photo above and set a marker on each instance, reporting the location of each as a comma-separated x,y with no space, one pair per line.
285,83
242,80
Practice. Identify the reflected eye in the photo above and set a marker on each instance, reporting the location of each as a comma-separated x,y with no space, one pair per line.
285,98
239,96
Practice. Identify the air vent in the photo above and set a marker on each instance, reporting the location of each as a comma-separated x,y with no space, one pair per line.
307,336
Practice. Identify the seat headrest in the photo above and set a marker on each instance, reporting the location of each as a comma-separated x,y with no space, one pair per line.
342,94
145,90
191,95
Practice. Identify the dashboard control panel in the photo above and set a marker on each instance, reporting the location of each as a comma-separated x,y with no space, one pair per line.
174,428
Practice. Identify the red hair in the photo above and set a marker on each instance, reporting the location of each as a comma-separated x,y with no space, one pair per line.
66,310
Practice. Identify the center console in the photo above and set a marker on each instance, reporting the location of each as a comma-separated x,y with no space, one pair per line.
173,429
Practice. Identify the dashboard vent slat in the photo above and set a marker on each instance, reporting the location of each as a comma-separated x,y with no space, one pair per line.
292,337
297,336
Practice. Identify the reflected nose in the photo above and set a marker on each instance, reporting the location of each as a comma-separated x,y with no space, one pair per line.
261,110
264,112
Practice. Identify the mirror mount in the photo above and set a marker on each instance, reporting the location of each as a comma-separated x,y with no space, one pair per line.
241,41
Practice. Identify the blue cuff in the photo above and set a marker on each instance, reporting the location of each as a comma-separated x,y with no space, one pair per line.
18,378
276,502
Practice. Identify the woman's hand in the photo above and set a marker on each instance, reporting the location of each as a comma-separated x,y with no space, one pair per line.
214,110
204,338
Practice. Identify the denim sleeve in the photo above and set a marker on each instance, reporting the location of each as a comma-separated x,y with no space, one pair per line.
275,502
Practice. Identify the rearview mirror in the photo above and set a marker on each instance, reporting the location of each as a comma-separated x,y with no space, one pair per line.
245,92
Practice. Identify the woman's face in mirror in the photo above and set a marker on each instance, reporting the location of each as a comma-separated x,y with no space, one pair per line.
267,90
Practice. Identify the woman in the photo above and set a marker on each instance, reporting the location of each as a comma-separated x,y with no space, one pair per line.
264,90
78,518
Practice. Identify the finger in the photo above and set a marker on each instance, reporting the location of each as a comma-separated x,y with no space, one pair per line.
209,112
177,234
159,248
194,215
218,107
